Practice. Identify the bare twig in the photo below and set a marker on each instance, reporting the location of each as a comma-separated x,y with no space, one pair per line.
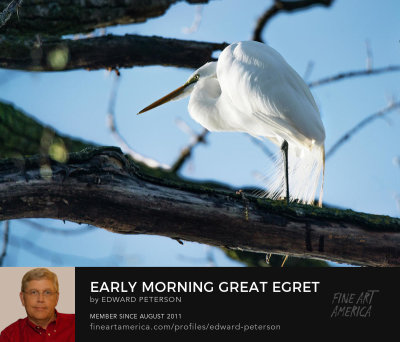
9,10
366,72
397,199
286,6
187,151
309,68
196,21
5,242
380,114
369,62
118,137
396,161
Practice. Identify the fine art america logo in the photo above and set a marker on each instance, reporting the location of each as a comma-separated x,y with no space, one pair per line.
353,304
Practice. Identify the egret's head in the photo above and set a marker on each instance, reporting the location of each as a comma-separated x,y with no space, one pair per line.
207,70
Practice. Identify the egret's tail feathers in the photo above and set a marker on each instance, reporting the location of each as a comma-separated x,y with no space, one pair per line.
306,176
321,191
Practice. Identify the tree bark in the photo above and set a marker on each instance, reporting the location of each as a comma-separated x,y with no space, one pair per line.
102,187
53,54
61,17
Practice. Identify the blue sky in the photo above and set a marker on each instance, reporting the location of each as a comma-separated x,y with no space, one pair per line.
361,175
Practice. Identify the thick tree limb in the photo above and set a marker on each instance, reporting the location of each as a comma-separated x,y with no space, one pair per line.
62,17
102,187
53,54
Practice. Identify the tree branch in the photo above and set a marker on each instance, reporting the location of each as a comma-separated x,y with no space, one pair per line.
51,17
186,152
102,187
109,52
350,74
370,118
286,6
122,143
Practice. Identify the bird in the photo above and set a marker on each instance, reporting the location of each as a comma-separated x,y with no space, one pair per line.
252,89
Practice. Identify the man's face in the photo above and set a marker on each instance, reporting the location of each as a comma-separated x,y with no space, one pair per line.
40,299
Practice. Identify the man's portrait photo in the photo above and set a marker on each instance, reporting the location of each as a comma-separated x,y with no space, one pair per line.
40,297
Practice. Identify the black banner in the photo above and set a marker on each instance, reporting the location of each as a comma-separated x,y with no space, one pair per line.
126,303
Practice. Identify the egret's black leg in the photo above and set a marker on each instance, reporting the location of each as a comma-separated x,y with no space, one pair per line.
285,148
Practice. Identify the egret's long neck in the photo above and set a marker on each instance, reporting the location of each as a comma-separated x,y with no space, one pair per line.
205,101
203,104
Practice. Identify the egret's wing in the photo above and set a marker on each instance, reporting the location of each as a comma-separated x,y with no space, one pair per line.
260,84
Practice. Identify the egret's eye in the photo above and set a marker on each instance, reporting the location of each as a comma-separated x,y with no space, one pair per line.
195,78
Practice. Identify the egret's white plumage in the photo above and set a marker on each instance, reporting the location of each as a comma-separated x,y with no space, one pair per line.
252,89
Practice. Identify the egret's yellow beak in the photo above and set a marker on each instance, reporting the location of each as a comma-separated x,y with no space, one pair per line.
171,95
165,99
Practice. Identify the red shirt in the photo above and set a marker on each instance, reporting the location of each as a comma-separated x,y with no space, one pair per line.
62,329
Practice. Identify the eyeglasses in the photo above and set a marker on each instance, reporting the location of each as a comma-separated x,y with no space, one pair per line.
36,293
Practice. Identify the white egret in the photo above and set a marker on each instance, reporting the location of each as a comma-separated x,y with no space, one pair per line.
253,89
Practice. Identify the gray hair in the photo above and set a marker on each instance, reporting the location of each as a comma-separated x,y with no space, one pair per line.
38,274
